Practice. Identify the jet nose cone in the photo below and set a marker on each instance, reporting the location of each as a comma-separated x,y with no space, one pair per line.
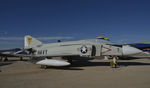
128,50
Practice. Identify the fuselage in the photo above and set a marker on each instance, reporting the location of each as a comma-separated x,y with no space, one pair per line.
88,48
95,47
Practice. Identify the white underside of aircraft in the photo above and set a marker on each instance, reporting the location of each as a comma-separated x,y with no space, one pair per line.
72,50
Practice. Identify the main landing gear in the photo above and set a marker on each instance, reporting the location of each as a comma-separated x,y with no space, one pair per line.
4,59
44,66
21,59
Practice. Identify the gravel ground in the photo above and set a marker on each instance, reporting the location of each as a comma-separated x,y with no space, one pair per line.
92,74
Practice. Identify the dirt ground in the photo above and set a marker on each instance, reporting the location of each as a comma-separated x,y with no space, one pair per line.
82,74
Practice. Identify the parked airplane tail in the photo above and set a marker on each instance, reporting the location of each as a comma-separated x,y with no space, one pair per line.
30,42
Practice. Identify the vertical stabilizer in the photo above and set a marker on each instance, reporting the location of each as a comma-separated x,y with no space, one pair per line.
30,42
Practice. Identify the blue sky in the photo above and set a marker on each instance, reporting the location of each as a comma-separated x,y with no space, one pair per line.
119,20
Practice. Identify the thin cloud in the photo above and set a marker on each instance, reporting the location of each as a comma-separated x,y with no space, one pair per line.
13,42
11,38
54,38
40,38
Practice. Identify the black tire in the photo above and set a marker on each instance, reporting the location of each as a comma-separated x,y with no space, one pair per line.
44,66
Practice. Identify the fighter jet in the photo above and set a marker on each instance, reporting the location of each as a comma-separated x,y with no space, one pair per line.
90,48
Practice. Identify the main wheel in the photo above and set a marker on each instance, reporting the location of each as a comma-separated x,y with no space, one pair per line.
44,66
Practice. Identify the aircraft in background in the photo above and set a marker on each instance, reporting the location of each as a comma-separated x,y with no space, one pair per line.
15,52
144,46
73,50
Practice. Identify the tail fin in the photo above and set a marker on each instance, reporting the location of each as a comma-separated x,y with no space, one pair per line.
30,42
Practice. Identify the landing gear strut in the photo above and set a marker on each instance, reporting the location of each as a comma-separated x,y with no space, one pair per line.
21,58
5,59
1,58
69,60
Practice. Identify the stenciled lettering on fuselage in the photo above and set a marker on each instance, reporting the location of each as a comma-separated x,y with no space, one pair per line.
42,52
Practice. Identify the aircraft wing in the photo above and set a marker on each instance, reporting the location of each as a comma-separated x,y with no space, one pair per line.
15,55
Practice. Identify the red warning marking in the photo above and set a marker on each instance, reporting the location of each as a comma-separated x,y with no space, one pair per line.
108,49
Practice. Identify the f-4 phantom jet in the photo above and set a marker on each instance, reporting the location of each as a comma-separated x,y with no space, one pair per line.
73,50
